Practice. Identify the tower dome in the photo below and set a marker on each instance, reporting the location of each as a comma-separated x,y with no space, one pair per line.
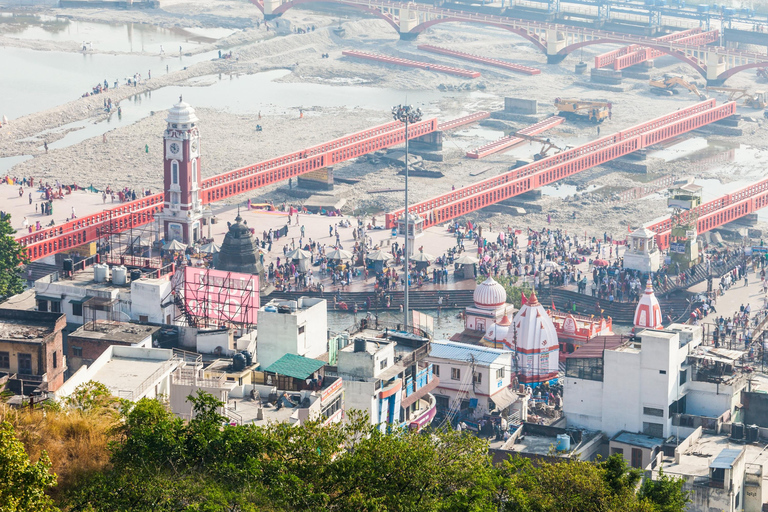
181,113
648,311
537,344
489,295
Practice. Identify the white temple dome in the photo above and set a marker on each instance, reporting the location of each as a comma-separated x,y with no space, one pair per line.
489,295
181,113
499,331
648,311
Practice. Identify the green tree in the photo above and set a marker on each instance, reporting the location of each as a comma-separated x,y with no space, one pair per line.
666,493
23,484
12,256
620,477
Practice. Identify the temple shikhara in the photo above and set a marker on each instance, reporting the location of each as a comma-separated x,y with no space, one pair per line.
648,311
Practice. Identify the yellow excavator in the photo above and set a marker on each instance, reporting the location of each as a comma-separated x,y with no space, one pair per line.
546,145
573,109
756,101
667,86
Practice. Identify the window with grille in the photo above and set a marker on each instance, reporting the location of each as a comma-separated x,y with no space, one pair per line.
652,411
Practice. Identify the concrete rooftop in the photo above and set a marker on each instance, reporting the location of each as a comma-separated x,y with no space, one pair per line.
126,374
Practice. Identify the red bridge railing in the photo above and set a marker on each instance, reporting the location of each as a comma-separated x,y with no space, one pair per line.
311,159
86,229
717,212
548,170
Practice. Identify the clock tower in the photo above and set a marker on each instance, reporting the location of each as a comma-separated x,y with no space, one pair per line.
182,209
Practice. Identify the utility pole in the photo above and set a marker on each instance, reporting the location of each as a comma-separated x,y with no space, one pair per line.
406,114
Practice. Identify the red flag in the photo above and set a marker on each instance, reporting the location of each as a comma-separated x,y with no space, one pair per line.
523,300
553,305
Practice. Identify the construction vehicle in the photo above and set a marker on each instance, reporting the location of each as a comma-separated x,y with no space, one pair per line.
547,145
573,109
667,86
762,73
756,101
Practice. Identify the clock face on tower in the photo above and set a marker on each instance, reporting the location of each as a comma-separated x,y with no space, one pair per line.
194,147
174,147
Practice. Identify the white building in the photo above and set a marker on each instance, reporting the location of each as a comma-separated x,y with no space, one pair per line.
642,252
473,377
128,372
720,474
640,387
298,327
115,297
490,300
389,379
134,373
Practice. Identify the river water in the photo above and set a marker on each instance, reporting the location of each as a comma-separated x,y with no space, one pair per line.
107,37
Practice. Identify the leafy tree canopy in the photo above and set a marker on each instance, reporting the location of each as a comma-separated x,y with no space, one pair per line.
12,256
23,484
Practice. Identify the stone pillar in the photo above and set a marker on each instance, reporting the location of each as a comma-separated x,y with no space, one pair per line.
408,21
715,65
319,179
555,43
269,8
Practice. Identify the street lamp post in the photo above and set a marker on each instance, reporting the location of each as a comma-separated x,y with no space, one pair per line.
406,114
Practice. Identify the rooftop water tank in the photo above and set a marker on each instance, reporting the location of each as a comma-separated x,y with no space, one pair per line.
737,431
238,362
119,275
100,272
563,442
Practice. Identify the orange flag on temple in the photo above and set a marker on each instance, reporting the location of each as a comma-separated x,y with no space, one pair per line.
523,300
629,228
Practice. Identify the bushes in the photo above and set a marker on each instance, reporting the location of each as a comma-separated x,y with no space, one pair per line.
146,459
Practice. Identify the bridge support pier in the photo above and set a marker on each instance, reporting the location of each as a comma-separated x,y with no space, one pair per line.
320,179
408,21
555,43
715,66
269,9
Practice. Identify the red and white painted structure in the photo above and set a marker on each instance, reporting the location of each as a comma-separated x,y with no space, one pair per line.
49,241
182,208
509,66
648,311
459,202
537,348
637,54
576,330
408,63
512,140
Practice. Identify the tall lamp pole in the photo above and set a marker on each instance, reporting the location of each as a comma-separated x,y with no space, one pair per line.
406,114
